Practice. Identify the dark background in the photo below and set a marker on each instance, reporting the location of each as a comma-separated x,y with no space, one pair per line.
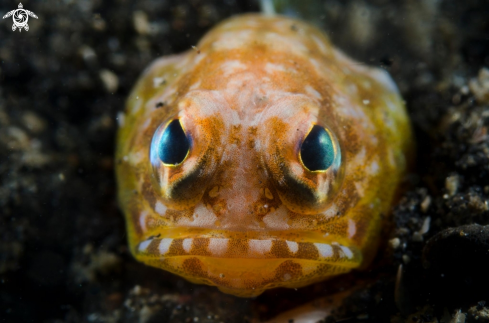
63,252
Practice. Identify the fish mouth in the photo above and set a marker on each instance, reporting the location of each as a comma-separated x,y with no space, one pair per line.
247,265
214,245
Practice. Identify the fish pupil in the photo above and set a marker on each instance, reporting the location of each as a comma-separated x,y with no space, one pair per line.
317,150
174,144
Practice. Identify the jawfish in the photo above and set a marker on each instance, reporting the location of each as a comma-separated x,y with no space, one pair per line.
263,158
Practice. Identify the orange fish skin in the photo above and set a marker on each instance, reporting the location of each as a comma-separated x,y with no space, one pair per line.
242,211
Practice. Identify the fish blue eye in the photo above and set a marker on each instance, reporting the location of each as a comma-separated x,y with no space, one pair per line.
173,145
317,150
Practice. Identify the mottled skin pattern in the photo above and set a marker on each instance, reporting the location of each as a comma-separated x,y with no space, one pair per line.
241,212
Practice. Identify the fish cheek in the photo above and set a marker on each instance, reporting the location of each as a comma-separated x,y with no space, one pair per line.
304,196
297,195
187,190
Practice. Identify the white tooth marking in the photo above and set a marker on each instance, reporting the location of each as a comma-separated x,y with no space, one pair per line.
346,252
187,244
325,250
352,228
142,220
260,246
144,245
293,246
165,245
218,247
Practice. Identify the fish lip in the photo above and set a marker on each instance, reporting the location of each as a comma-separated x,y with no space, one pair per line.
204,246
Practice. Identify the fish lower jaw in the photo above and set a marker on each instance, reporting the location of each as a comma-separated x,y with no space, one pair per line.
247,266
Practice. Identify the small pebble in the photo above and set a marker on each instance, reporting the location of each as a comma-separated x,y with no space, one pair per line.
98,23
480,86
451,184
88,54
110,80
459,317
426,226
18,139
141,23
425,205
33,122
395,243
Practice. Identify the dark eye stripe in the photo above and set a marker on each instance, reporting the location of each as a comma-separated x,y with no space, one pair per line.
173,145
317,150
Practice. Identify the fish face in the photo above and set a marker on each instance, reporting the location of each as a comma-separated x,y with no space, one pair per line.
255,162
